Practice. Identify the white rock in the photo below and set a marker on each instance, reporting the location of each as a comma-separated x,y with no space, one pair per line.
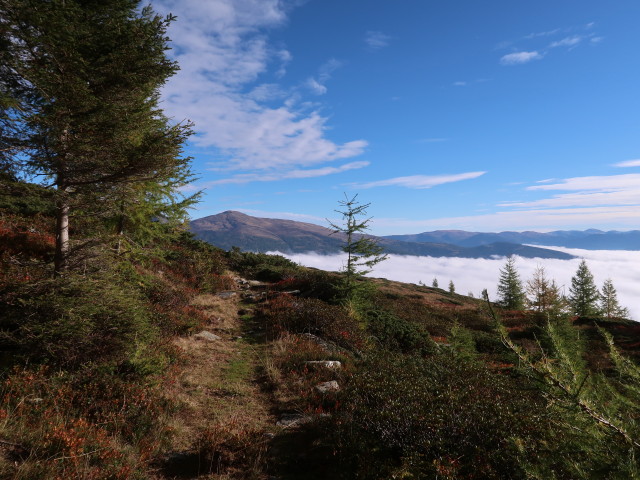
330,364
211,337
292,419
327,387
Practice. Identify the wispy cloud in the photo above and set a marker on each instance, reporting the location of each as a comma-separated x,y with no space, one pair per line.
376,40
460,84
571,41
628,163
541,219
242,178
537,45
546,33
420,181
518,58
317,84
224,54
604,182
587,192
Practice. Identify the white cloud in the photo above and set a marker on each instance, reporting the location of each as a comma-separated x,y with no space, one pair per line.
600,183
540,219
376,40
420,181
242,178
519,58
459,84
542,34
595,191
628,163
223,51
317,85
571,41
474,275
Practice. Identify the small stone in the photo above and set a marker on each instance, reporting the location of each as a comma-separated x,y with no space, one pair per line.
327,387
225,294
292,419
211,337
330,364
327,346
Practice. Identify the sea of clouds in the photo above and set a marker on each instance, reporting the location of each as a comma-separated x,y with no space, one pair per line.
472,275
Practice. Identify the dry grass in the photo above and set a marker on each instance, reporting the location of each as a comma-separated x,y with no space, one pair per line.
221,312
221,403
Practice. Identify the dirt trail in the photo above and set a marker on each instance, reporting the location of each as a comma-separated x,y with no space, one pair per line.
217,389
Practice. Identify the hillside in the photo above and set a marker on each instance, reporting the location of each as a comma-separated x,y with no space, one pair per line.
178,360
588,239
229,229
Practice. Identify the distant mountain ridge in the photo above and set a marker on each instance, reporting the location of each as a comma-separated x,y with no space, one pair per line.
229,229
591,239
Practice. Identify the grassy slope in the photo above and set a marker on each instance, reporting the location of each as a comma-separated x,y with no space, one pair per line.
175,406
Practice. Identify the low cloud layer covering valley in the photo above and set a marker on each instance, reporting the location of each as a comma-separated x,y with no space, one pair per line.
473,275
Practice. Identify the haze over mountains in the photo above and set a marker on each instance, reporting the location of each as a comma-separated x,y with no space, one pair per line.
591,239
231,228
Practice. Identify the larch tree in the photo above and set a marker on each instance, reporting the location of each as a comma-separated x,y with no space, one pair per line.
363,252
583,293
81,81
609,305
510,294
543,295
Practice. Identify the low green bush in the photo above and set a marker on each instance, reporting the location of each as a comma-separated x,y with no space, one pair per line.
435,417
310,315
71,320
271,268
398,335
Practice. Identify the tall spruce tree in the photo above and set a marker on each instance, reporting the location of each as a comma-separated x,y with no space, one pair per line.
583,293
609,305
510,294
83,79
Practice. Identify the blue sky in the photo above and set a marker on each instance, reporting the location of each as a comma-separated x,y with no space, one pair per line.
485,116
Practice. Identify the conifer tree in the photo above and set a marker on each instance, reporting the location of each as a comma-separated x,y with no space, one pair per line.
363,252
510,294
452,287
583,293
84,79
434,284
609,305
543,294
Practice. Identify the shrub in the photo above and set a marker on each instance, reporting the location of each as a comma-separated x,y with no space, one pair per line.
271,268
434,417
75,319
310,315
398,335
73,426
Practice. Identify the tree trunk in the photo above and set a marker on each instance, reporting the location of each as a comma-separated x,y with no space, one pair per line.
61,258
